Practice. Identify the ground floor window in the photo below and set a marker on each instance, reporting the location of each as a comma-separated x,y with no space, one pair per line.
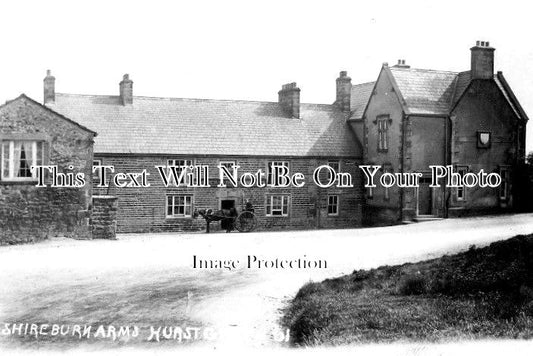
504,186
179,206
18,157
333,205
277,205
461,191
386,194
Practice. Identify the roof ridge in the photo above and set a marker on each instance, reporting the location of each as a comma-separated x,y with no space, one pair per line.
365,83
425,70
143,97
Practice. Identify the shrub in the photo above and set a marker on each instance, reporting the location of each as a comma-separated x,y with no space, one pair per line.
412,284
309,289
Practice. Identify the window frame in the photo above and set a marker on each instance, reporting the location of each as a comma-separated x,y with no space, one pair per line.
96,177
383,123
285,205
227,163
465,170
504,186
387,168
186,197
337,170
190,160
269,168
11,162
336,204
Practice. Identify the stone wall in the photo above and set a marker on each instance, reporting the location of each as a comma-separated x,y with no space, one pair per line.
29,213
483,108
143,209
104,217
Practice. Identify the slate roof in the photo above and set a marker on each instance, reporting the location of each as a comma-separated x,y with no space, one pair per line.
360,95
425,91
508,96
463,80
208,127
429,92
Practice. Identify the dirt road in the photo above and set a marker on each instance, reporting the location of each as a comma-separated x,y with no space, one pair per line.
148,279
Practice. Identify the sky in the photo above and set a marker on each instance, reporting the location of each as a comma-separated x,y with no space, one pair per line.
248,49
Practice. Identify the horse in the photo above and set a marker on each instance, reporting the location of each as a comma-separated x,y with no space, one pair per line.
218,215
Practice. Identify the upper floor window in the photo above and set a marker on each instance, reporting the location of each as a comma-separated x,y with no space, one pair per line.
228,164
275,164
18,157
335,165
96,177
181,164
383,132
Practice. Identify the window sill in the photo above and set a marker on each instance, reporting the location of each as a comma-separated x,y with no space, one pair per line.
178,217
18,182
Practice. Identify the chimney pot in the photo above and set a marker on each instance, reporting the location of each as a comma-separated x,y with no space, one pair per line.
401,64
289,99
482,60
49,88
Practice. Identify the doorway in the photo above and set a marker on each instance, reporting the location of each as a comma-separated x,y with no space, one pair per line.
226,206
425,197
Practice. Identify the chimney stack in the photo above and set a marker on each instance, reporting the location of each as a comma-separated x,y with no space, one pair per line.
126,90
401,64
289,99
49,88
344,91
482,64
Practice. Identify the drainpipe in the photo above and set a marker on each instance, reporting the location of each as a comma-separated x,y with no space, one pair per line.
402,162
447,160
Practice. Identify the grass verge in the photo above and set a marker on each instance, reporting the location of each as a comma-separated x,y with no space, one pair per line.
482,292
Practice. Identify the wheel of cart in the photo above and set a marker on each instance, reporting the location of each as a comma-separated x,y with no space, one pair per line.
245,221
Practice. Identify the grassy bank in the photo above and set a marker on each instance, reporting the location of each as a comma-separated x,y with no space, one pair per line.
483,292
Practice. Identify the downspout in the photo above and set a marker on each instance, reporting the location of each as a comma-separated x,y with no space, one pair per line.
402,162
447,159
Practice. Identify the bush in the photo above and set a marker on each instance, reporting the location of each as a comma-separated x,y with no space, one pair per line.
412,284
308,289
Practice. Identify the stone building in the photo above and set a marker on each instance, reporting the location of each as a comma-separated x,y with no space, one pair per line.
137,133
32,134
406,121
409,119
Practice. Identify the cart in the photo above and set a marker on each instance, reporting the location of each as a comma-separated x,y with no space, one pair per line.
245,221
